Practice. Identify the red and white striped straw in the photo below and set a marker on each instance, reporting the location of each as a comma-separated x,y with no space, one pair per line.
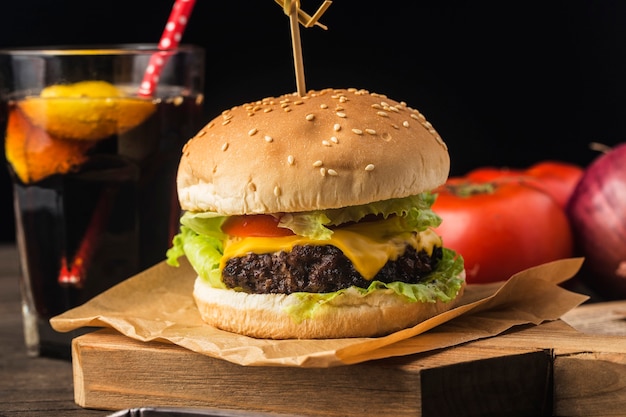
170,39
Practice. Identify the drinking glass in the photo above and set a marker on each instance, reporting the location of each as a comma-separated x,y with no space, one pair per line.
93,164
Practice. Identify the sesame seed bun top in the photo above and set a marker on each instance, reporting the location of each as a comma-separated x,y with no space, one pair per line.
328,149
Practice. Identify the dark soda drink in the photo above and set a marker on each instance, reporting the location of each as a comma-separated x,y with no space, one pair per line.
107,214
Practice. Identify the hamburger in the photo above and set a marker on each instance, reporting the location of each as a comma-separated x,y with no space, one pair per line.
309,217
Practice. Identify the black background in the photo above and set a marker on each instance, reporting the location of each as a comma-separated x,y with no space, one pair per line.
504,83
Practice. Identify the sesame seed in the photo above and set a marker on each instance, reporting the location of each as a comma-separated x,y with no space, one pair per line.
325,143
370,131
227,116
440,141
290,160
277,191
384,104
377,106
334,139
268,139
395,109
323,171
382,113
414,116
343,99
267,110
369,167
337,127
332,172
298,102
225,122
201,133
395,126
252,131
339,108
318,163
405,124
357,131
283,105
323,106
225,146
341,114
310,117
287,109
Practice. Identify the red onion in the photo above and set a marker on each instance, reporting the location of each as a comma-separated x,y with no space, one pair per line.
597,211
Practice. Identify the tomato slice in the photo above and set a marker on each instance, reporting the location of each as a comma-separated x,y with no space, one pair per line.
254,225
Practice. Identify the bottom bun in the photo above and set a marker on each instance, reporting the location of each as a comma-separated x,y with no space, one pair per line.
348,315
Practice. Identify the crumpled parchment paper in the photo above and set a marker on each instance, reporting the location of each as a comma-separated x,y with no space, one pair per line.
157,305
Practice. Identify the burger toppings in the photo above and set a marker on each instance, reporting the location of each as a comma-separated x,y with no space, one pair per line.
275,253
368,245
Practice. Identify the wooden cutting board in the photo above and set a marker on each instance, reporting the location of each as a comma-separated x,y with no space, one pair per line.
551,369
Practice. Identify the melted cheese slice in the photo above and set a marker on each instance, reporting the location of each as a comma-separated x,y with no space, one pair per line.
368,245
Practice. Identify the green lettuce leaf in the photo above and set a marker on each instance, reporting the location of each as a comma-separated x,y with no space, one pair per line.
204,253
397,206
205,223
313,224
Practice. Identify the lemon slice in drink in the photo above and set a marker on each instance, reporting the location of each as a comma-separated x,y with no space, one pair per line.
87,110
35,155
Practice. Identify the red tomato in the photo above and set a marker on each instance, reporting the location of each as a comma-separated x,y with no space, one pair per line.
257,225
557,179
501,228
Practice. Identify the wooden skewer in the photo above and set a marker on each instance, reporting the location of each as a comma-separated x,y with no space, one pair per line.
304,18
314,19
297,47
297,17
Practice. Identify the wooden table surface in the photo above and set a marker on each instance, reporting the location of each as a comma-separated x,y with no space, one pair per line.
44,387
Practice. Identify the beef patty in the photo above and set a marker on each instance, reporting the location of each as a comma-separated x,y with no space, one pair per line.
319,269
